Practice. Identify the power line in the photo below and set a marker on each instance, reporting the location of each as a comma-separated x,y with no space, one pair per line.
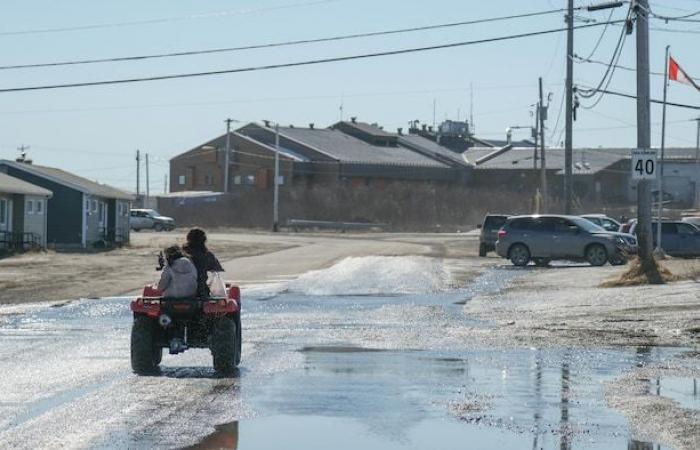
630,69
678,105
295,64
164,20
279,44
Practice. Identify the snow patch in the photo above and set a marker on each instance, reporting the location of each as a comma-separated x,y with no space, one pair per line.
375,275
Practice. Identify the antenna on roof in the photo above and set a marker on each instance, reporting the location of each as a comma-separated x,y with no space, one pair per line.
22,158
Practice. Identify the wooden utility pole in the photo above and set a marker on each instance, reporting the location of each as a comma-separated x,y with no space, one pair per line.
138,175
227,155
275,201
568,141
542,115
644,236
148,183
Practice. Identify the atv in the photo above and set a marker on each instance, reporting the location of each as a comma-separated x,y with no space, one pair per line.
178,324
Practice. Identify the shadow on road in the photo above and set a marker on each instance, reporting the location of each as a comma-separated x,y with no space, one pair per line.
194,372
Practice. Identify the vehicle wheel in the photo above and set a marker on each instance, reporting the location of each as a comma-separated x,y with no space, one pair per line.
145,354
617,260
482,250
596,255
239,338
519,255
223,345
542,262
158,227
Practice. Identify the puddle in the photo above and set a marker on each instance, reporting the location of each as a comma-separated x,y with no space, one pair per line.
686,391
339,349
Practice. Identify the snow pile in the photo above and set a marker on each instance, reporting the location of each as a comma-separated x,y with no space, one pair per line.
375,275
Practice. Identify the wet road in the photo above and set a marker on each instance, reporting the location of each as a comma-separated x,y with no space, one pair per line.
337,359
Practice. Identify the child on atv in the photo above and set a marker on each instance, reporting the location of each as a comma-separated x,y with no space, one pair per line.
179,276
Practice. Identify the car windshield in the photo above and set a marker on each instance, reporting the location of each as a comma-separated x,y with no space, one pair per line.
587,225
495,221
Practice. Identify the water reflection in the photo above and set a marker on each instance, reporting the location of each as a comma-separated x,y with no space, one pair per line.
224,438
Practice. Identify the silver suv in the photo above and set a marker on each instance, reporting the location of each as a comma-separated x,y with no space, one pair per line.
544,238
150,219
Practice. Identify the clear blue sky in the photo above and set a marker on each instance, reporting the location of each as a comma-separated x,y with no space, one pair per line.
95,131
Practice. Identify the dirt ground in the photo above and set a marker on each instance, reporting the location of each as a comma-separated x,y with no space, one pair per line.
56,276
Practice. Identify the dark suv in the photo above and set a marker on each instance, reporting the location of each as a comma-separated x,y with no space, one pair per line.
489,232
544,238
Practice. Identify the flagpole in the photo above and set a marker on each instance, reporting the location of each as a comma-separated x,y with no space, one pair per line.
659,249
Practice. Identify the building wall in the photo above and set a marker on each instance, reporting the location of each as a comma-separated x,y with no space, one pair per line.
250,165
64,209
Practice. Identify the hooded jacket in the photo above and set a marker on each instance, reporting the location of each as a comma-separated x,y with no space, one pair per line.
178,279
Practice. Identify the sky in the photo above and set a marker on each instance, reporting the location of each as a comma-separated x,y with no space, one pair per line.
95,131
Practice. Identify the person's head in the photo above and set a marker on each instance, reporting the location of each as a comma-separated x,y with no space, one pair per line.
196,240
172,254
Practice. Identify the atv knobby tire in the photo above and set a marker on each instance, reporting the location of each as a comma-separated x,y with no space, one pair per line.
223,345
145,354
239,337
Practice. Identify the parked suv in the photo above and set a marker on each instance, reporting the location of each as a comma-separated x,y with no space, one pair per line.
544,238
678,238
150,219
489,232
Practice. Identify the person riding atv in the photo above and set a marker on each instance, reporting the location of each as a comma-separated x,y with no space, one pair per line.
209,317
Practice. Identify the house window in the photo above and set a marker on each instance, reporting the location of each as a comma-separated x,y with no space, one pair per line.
40,207
237,179
94,206
249,179
181,180
3,211
30,206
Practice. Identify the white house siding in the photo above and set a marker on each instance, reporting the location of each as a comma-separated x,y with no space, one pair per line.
35,217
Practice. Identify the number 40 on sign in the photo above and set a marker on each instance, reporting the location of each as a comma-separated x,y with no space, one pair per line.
643,164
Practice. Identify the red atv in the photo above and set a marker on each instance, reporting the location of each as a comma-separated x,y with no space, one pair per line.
181,323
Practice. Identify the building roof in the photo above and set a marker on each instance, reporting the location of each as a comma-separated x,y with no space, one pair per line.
12,185
586,161
370,129
432,148
219,142
68,179
347,149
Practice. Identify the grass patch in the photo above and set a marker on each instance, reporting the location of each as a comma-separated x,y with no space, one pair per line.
638,275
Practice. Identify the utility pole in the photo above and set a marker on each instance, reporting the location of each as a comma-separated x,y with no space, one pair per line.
542,113
697,162
275,201
568,141
148,184
138,175
227,155
659,249
644,236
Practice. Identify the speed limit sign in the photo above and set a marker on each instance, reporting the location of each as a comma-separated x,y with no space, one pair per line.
643,164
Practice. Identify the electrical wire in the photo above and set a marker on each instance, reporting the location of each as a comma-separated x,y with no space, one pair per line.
678,105
602,34
164,20
619,66
294,64
278,44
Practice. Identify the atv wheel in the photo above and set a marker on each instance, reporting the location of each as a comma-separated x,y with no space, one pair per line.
223,345
239,338
145,354
482,250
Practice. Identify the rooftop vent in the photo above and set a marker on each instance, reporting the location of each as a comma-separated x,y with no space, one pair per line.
399,131
311,125
267,123
353,119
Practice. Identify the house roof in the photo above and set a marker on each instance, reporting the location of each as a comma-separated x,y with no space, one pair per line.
12,185
370,129
68,179
347,149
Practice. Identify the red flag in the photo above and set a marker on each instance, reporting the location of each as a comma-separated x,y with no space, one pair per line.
676,73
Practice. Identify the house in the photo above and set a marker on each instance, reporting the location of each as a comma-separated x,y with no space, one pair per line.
22,214
81,212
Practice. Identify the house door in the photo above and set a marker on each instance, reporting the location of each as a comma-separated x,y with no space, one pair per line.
102,217
4,215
